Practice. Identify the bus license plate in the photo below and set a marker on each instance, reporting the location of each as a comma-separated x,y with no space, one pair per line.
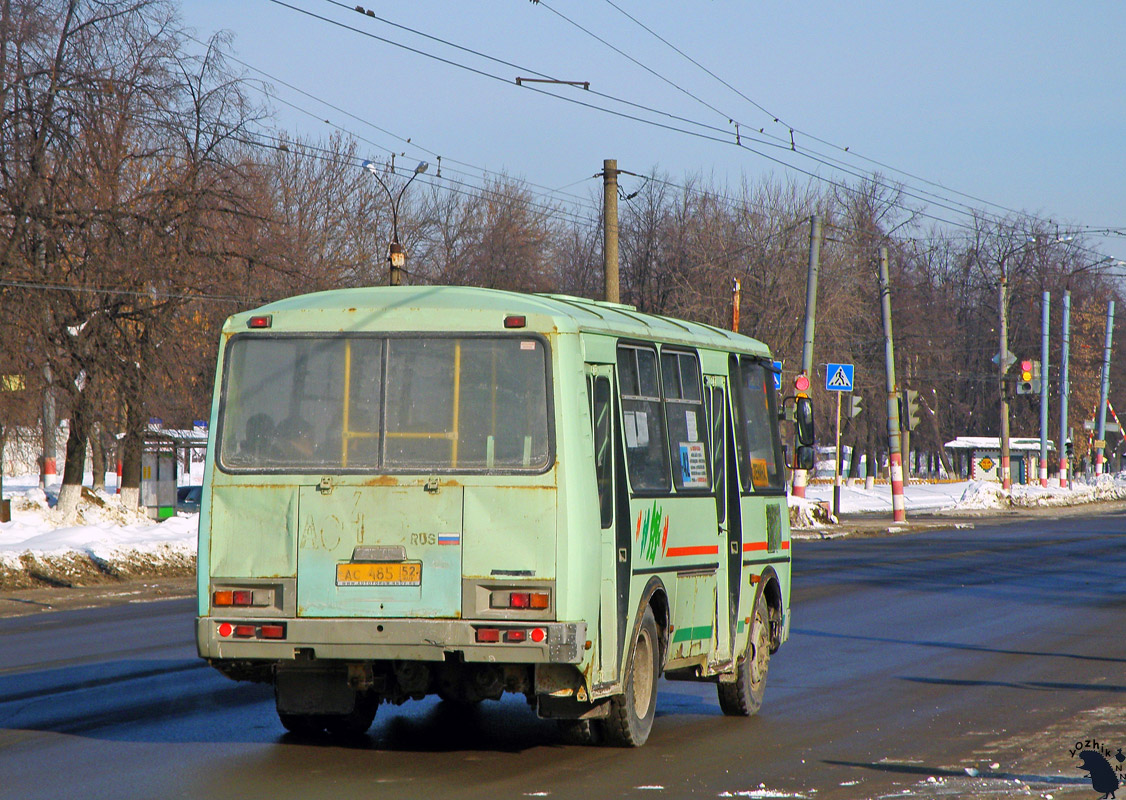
403,573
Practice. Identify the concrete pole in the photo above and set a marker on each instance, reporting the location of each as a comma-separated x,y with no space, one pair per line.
895,461
1100,451
800,475
736,301
610,228
1006,474
1063,387
1045,301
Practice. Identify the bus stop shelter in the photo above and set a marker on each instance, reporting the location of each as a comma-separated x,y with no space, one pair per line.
984,454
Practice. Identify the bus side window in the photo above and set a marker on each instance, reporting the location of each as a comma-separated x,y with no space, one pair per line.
647,458
684,415
758,400
602,415
719,449
741,457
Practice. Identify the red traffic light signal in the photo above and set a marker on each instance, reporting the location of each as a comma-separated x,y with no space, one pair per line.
801,383
1026,371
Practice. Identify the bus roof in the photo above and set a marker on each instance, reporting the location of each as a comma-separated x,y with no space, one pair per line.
567,313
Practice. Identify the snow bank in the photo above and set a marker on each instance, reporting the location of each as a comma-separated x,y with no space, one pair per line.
109,541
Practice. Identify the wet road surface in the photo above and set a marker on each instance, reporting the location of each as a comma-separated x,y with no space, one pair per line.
958,663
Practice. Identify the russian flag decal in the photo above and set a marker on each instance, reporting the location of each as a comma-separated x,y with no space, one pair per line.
449,538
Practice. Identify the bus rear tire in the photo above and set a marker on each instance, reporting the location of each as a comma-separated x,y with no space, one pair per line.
743,697
303,725
356,722
632,712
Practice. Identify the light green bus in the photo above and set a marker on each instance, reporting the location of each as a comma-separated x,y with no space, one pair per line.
465,492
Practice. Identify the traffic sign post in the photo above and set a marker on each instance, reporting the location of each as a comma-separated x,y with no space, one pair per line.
839,379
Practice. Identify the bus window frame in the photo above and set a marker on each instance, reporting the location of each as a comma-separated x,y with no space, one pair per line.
639,344
702,403
747,487
549,389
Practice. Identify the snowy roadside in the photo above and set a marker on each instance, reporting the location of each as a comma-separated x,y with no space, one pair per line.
108,543
950,498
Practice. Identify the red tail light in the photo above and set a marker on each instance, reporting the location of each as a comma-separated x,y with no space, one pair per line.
260,321
488,635
519,600
243,597
538,634
272,631
515,636
245,631
515,321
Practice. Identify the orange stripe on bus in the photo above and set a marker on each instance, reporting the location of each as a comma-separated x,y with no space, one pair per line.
700,550
750,547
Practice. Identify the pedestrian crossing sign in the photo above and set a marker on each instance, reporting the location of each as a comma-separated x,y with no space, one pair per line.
838,377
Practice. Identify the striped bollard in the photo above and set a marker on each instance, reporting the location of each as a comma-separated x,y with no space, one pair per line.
1063,472
898,502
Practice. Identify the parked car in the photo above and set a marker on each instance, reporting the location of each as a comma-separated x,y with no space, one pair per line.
187,498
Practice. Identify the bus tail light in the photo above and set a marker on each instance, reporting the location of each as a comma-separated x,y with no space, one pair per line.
260,321
272,631
515,636
488,635
538,635
233,597
515,321
245,631
539,601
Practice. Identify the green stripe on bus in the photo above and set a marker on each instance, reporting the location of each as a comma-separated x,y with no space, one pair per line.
685,634
740,627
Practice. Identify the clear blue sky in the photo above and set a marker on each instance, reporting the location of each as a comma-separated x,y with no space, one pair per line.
1020,104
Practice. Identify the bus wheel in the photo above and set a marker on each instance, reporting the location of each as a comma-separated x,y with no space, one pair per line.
743,697
356,722
579,731
302,724
632,712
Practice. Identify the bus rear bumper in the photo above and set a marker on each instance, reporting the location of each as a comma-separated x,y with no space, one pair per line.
390,639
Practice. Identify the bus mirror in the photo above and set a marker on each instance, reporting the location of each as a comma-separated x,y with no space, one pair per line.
803,458
803,420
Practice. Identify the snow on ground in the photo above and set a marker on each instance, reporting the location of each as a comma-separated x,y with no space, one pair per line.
959,496
108,542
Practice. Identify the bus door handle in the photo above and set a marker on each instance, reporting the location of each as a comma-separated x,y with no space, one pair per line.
734,548
623,556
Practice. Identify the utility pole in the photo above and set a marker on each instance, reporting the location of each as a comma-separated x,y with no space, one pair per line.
800,475
1101,436
895,461
1063,387
1003,367
1045,301
736,301
610,229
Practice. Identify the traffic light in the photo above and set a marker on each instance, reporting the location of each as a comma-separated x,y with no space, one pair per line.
853,407
1028,380
909,416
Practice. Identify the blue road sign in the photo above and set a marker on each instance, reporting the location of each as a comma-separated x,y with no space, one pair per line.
838,377
777,376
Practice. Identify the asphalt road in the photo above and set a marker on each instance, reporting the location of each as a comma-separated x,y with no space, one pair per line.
914,661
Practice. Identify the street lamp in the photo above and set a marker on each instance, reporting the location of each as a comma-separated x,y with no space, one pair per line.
396,257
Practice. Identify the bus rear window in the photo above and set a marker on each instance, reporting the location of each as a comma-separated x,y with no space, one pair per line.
315,404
